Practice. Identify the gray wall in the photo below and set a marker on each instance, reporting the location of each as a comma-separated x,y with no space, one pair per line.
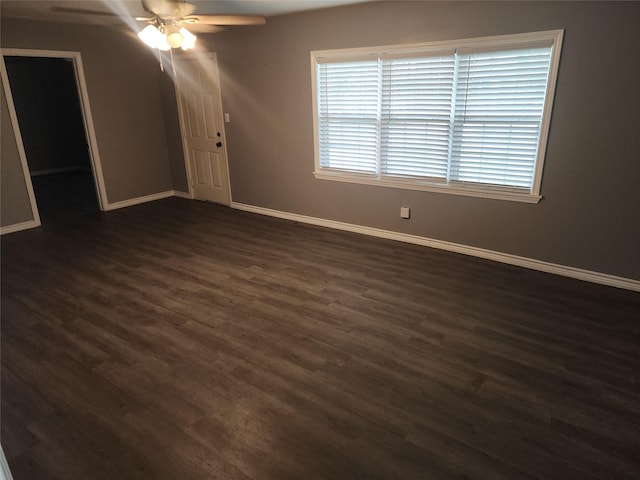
124,94
589,215
14,198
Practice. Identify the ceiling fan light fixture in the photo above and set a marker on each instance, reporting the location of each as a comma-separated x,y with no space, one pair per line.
189,39
175,39
154,38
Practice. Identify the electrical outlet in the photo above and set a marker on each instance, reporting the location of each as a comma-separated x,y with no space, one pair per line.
405,212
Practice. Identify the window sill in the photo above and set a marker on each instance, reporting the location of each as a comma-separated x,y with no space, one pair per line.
469,191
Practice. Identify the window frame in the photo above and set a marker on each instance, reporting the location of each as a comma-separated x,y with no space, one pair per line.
514,41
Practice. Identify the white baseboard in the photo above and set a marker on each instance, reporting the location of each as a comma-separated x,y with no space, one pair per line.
16,227
111,206
139,200
531,263
5,472
146,198
178,193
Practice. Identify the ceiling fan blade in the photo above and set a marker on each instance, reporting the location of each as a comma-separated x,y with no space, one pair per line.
168,8
224,19
81,11
203,28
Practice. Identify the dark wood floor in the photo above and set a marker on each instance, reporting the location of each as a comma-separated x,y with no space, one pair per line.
184,340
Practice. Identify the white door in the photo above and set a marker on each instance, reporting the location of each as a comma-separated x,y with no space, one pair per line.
200,106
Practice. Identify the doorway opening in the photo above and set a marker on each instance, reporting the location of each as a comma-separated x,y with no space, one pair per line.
52,123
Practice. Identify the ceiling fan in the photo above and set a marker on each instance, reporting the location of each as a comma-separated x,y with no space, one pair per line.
168,21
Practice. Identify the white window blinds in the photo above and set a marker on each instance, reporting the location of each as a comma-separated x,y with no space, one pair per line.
498,112
348,111
415,116
469,116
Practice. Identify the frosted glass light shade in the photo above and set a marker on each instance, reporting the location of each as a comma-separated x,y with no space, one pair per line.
175,39
188,39
154,38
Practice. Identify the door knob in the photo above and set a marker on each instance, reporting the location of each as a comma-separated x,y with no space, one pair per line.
219,144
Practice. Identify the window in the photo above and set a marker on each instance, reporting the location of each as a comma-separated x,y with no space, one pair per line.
469,117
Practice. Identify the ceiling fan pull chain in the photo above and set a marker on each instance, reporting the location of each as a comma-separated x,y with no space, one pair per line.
160,58
173,64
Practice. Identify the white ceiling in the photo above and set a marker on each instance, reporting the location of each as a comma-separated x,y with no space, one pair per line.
41,9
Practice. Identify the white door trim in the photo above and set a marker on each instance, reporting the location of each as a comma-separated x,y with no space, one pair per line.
85,108
21,152
200,57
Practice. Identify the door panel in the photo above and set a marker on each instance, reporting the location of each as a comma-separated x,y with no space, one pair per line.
216,171
203,129
192,108
202,175
210,123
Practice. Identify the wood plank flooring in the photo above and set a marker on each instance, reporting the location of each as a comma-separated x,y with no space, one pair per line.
184,340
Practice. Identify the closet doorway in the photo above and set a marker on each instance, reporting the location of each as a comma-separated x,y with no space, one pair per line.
52,117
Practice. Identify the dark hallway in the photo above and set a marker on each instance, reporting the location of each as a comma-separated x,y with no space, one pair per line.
51,123
63,197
